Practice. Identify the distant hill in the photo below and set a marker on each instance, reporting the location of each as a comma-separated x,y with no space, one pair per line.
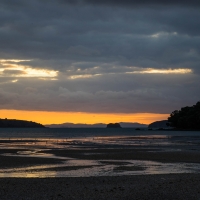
71,125
14,123
113,125
99,125
133,125
159,124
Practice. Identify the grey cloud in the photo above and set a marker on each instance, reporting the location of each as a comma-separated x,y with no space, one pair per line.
87,39
55,37
80,50
135,2
127,93
15,4
12,72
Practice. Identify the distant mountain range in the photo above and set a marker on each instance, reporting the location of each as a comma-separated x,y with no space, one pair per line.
13,123
99,125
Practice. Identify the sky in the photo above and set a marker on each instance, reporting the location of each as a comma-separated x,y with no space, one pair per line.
70,60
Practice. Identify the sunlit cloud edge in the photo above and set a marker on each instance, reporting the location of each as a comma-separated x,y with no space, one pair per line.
143,71
24,71
162,71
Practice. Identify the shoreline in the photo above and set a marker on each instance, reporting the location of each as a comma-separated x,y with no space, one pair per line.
29,156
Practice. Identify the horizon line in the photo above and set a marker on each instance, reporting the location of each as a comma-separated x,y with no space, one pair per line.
53,117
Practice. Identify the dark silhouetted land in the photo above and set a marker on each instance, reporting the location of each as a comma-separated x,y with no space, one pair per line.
186,118
14,123
113,125
99,125
159,124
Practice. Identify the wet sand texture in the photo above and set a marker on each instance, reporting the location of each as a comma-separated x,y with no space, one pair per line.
129,154
14,161
149,187
103,154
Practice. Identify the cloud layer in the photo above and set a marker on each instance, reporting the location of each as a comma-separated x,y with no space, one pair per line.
99,56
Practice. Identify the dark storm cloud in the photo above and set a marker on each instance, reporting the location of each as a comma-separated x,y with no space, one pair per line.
90,46
135,2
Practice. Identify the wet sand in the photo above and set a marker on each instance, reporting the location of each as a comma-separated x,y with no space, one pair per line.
14,161
149,187
155,187
129,154
28,153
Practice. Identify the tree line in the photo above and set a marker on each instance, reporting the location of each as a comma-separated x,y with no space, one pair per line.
186,118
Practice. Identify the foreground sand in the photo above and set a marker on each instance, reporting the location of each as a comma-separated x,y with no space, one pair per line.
161,187
155,187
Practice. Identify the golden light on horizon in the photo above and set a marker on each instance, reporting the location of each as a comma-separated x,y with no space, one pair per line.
45,117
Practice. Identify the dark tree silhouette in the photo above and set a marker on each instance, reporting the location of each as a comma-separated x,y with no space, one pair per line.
186,118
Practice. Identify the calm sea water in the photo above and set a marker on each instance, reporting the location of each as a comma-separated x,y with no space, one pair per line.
86,132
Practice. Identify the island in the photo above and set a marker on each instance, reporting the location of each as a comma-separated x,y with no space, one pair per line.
14,123
113,125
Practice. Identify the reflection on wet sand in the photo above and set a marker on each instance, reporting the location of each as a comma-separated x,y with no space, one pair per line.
98,156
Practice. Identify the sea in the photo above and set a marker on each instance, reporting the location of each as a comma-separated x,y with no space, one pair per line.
88,132
123,136
36,142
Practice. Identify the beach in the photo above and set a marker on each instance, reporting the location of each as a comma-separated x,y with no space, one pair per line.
139,167
155,187
105,156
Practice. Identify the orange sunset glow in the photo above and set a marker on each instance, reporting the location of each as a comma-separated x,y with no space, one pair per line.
45,117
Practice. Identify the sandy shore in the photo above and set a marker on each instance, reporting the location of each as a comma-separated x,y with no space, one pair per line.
155,187
129,154
14,160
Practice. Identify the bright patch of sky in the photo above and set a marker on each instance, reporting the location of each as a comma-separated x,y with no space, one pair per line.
11,69
142,71
162,71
